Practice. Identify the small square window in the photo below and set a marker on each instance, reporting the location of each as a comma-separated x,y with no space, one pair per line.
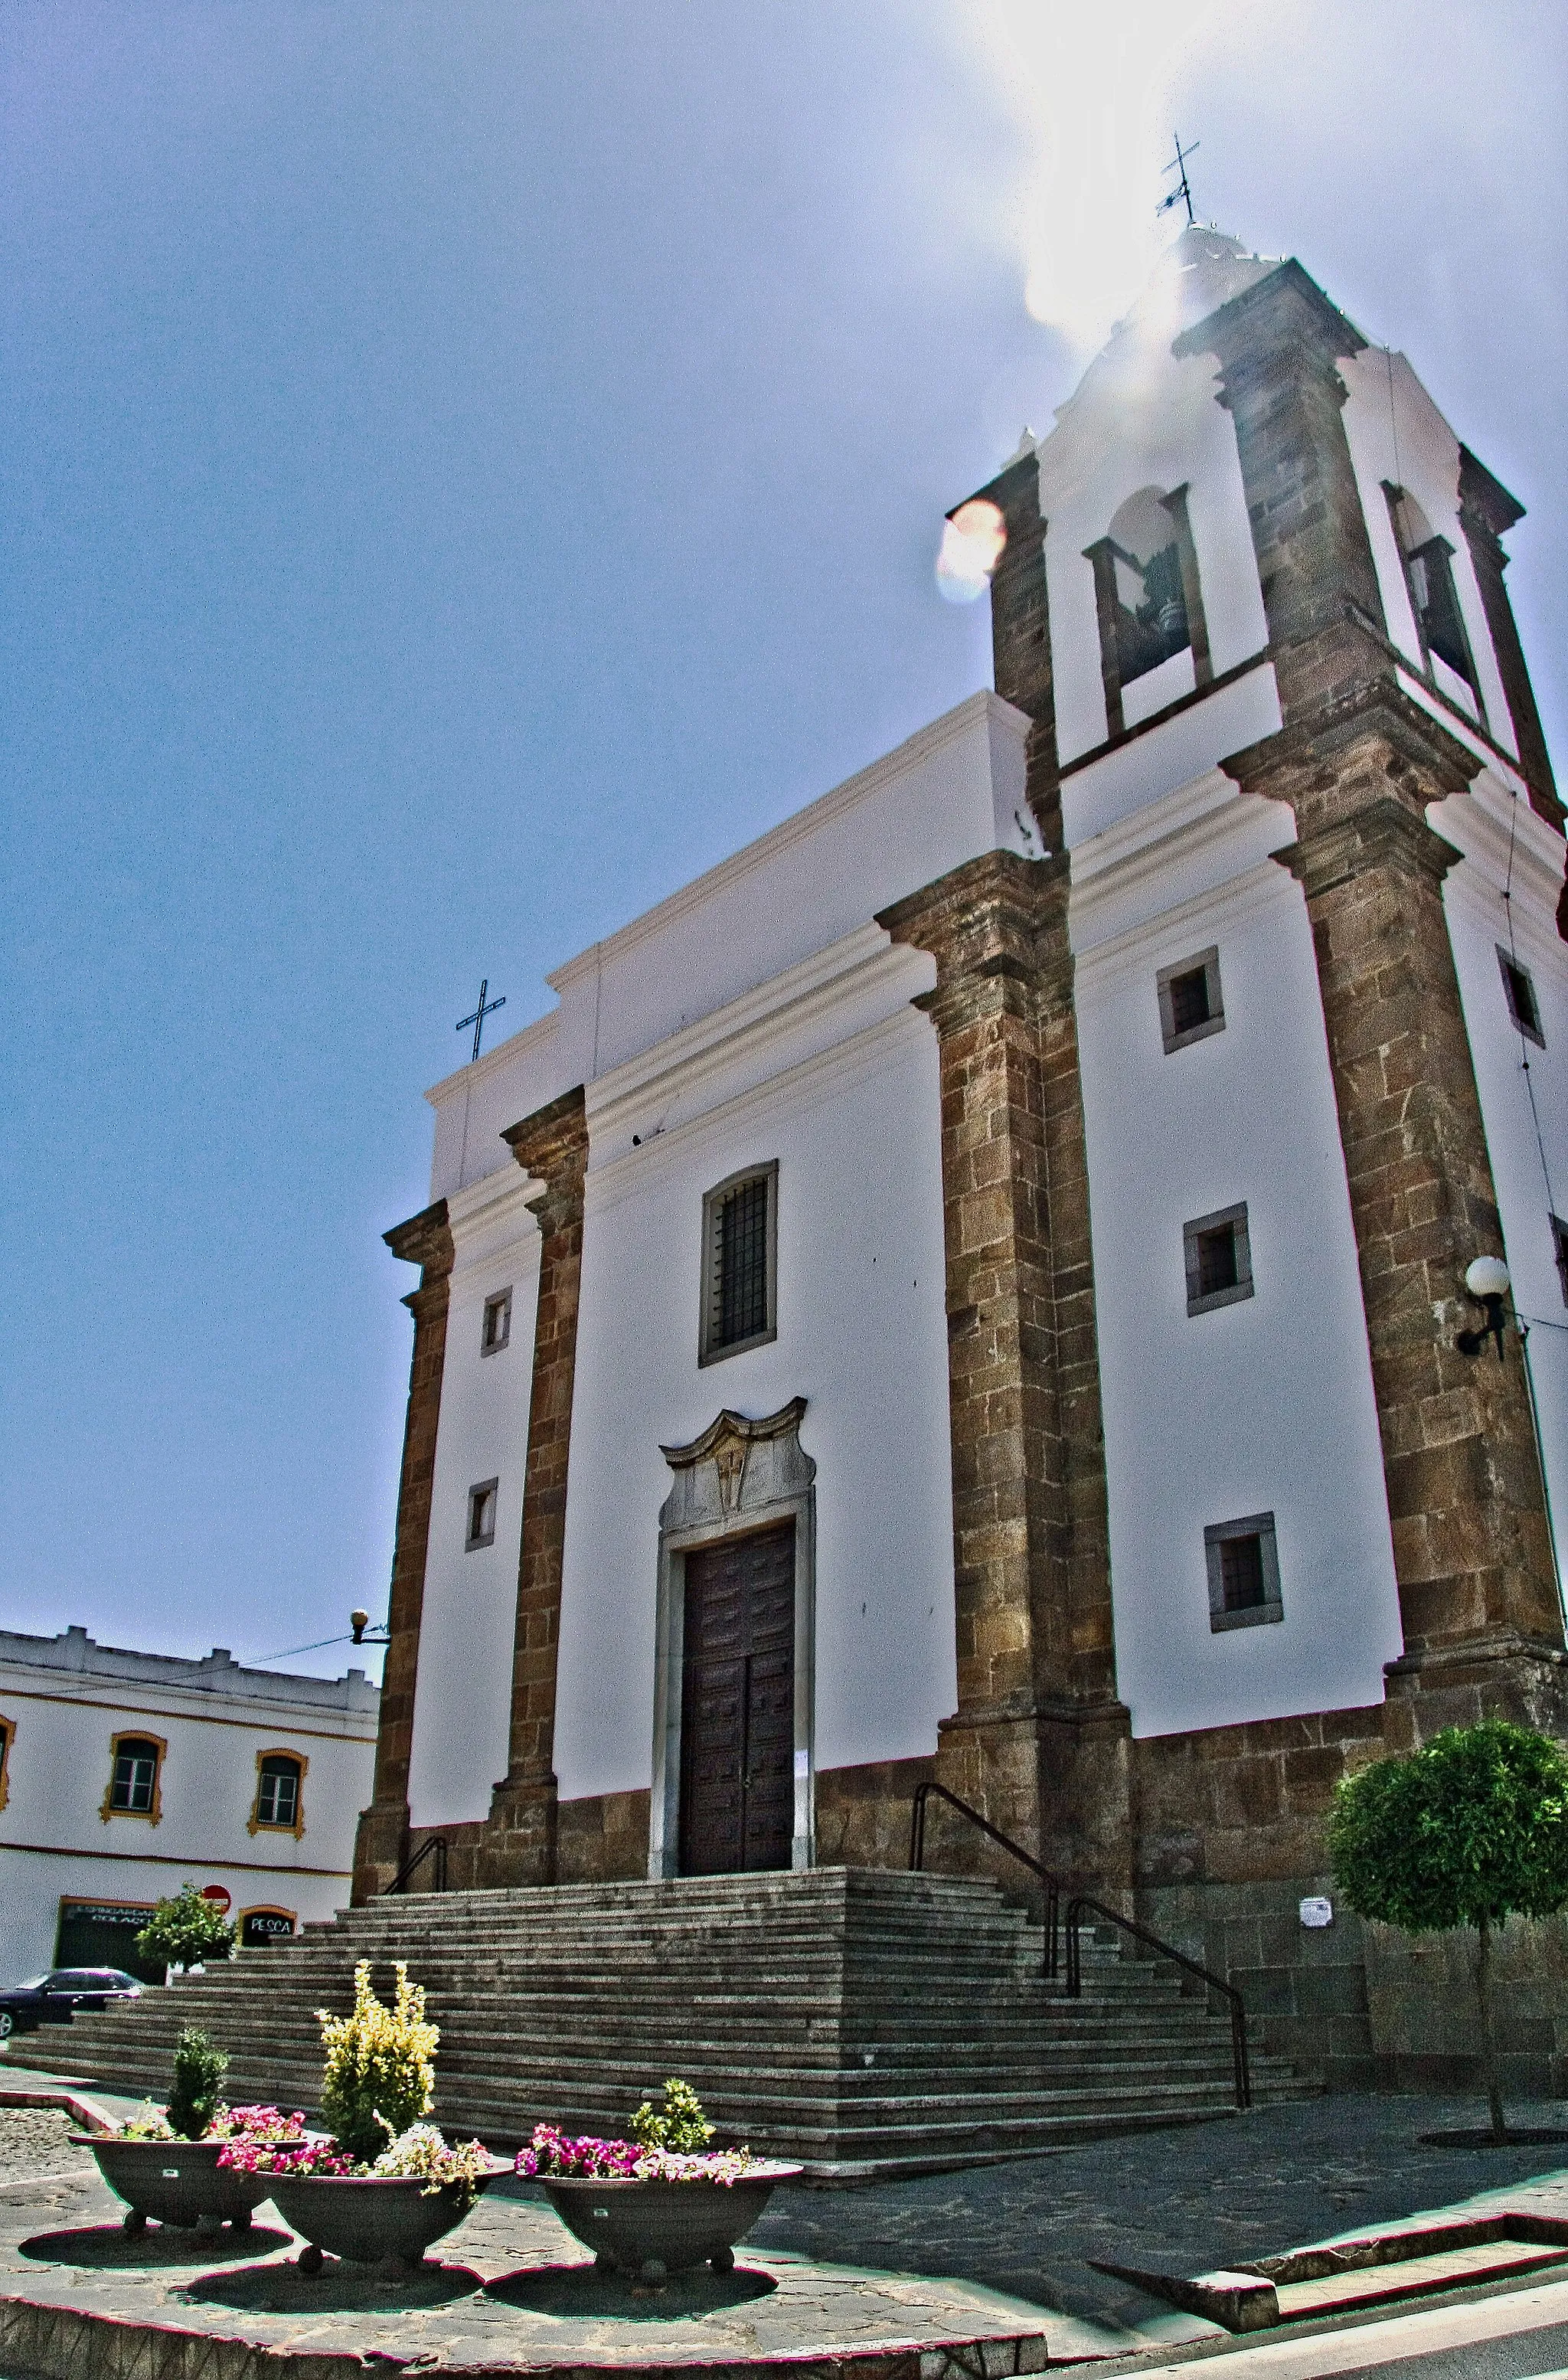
739,1263
1244,1573
1560,1250
1190,1004
1519,991
495,1331
481,1514
1218,1259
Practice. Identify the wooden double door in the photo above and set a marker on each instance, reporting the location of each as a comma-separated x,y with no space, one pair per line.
737,1705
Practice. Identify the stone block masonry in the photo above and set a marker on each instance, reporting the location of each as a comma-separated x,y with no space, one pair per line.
424,1240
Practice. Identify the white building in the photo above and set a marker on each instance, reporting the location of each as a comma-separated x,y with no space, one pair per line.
124,1776
973,1286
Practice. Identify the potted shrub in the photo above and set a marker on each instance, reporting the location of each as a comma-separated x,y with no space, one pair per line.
166,2162
663,2201
384,2185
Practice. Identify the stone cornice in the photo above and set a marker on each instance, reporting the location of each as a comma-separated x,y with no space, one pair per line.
1376,833
1283,316
552,1147
1371,705
425,1239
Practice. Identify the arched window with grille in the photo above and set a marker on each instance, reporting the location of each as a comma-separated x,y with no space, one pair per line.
279,1805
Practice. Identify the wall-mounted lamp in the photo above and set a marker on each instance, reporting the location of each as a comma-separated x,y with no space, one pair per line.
1486,1279
360,1621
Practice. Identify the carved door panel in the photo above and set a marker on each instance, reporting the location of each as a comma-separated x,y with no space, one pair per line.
737,1705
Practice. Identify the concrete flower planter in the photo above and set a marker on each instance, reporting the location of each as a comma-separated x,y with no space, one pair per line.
654,2228
179,2182
371,2218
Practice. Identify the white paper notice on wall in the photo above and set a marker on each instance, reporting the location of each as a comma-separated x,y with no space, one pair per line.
803,1764
1316,1910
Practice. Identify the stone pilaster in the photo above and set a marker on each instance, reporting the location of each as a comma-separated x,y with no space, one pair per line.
1360,763
1486,512
382,1838
1039,1740
520,1835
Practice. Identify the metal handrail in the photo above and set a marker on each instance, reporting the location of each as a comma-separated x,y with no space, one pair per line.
436,1843
1239,2060
1052,1884
1076,1906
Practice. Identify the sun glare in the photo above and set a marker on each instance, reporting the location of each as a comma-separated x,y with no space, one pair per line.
971,548
1096,91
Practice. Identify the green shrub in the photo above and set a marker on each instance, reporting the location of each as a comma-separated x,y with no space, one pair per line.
185,1931
680,2125
200,2068
379,2074
1470,1830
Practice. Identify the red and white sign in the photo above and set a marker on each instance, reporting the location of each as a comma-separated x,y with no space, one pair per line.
219,1893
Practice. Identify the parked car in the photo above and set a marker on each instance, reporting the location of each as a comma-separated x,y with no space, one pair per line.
55,1997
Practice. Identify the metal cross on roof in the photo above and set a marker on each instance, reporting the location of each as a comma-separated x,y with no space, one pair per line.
486,1008
1178,164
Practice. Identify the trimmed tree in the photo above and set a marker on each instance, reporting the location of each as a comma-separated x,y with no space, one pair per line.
1470,1830
185,1931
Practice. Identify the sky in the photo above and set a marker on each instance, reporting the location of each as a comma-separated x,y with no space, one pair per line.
464,470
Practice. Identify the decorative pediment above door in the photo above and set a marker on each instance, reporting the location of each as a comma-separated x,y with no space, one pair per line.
736,1469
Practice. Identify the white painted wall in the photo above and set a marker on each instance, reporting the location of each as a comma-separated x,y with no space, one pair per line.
214,1717
1507,847
853,1125
1265,1405
952,791
462,1695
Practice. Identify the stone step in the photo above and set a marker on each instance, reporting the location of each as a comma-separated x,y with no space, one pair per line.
572,2003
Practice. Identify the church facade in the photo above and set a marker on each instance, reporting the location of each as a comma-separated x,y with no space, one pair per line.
973,1287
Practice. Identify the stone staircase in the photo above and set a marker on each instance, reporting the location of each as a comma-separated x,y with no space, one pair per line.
859,2018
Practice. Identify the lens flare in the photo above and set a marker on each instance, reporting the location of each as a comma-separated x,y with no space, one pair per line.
971,548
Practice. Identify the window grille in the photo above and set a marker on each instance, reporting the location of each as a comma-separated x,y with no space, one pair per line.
1244,1573
1191,1005
1217,1249
739,1263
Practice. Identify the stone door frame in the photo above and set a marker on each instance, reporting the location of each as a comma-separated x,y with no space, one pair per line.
740,1476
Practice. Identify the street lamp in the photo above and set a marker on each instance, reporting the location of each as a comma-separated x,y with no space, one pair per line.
1486,1279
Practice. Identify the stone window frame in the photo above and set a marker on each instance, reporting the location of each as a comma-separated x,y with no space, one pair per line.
257,1825
500,1304
266,1909
708,1349
1436,552
1200,1301
1250,1524
7,1737
482,1492
1510,969
1180,1039
109,1808
1559,1250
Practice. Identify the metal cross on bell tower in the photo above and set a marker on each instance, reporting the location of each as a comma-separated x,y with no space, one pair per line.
1178,164
486,1008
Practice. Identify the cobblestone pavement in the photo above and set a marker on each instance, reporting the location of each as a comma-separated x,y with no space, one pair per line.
1212,2194
36,2141
512,2286
1000,2250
